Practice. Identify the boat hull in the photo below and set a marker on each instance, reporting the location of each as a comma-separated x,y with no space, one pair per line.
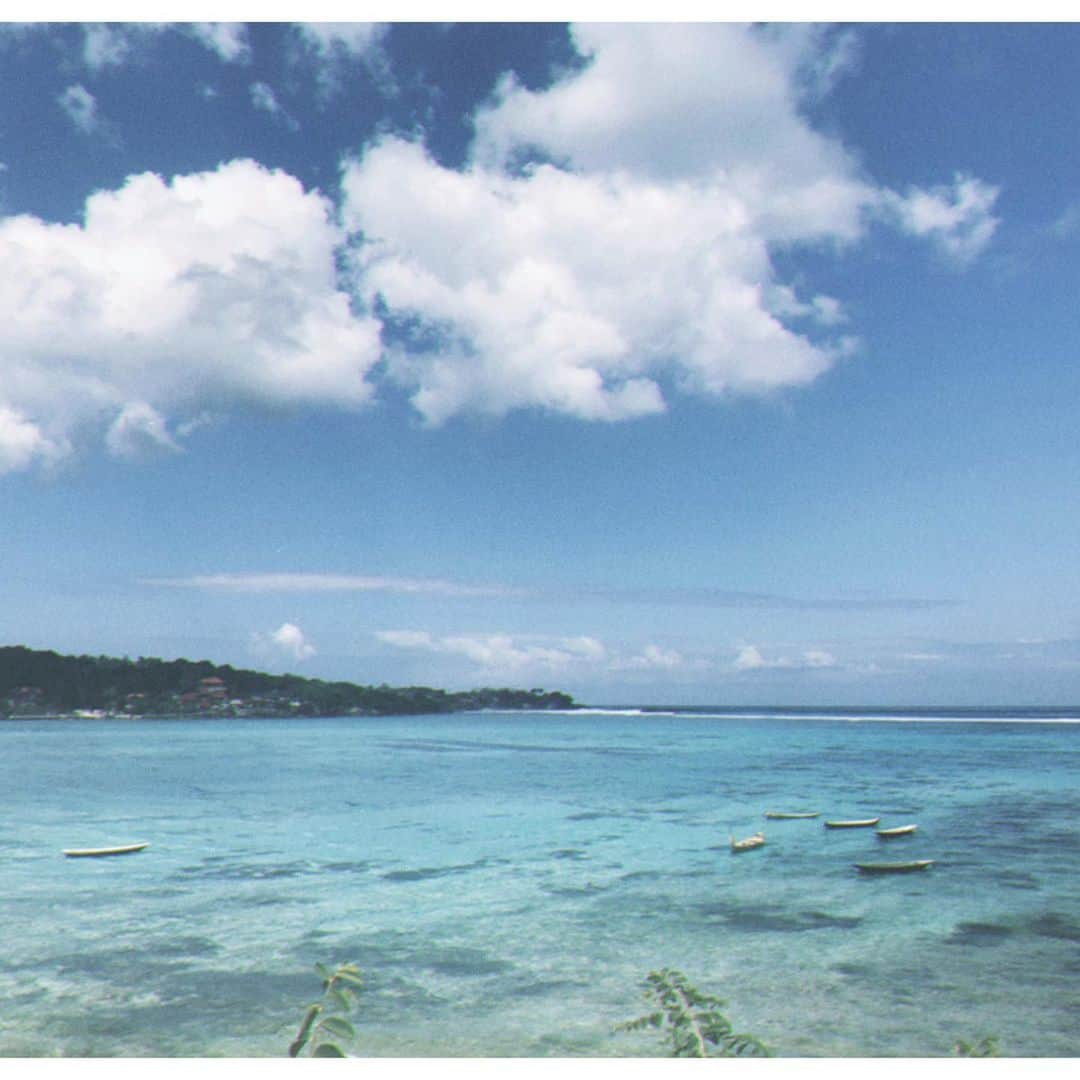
894,867
780,815
892,834
99,853
749,844
863,824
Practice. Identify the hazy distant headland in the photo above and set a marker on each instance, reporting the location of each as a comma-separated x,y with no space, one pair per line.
44,683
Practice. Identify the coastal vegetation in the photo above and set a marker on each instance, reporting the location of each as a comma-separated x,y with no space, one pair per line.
689,1019
42,683
327,1017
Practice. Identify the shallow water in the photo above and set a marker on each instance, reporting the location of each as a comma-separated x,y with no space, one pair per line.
505,881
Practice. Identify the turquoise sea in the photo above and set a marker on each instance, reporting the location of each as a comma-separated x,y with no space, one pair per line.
506,880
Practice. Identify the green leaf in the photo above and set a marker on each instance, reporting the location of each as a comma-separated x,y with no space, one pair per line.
349,973
328,1050
338,1025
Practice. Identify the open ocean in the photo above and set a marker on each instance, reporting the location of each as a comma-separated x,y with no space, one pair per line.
506,880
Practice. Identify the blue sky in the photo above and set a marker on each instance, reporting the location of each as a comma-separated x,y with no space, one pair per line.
658,363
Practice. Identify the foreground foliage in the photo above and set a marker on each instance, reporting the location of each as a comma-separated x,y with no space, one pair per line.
326,1017
987,1046
691,1020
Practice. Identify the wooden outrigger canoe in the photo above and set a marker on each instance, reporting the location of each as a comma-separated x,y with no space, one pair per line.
748,843
858,824
96,853
894,867
786,815
899,830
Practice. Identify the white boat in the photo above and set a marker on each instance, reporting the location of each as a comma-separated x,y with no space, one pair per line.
748,843
894,867
791,815
860,823
899,830
98,852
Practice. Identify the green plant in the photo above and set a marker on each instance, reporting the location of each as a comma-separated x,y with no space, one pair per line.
692,1020
326,1016
987,1046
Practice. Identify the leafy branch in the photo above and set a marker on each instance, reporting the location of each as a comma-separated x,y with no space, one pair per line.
326,1017
987,1046
692,1020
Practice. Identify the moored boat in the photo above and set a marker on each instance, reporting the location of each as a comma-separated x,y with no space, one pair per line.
748,843
859,823
894,867
791,815
95,853
899,830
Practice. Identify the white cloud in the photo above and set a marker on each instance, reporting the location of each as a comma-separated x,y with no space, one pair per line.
111,45
138,429
228,40
500,652
731,118
273,583
957,218
23,443
750,658
505,654
569,292
106,45
185,296
352,38
612,236
81,107
654,658
264,99
338,47
287,641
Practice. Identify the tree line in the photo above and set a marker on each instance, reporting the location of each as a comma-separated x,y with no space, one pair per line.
37,682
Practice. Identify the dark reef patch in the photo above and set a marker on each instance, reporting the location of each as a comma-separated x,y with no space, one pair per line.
426,873
979,933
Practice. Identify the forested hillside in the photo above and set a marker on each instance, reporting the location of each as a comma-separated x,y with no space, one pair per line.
37,682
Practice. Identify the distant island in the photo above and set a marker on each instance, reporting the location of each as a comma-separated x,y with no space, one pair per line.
44,683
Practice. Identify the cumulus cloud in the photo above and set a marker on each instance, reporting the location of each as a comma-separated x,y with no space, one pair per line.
731,118
609,244
957,218
499,652
611,238
750,658
569,292
138,429
287,641
228,40
81,107
505,654
656,658
22,443
174,298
